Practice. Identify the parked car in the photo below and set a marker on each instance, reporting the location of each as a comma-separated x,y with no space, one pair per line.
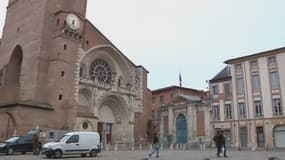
21,144
81,143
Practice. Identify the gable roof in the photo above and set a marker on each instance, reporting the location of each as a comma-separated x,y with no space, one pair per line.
173,87
187,98
108,41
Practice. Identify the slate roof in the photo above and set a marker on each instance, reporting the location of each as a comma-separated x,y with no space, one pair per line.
224,74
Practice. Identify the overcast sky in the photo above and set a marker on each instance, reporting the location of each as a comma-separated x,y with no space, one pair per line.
191,37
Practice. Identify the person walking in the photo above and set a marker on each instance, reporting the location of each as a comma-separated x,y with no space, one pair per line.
155,146
218,141
223,142
35,142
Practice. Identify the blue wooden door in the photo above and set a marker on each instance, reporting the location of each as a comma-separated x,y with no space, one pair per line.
181,129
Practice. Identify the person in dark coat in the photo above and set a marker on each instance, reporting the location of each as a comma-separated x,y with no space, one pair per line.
223,141
218,143
155,146
35,142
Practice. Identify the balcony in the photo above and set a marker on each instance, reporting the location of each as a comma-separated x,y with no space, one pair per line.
94,83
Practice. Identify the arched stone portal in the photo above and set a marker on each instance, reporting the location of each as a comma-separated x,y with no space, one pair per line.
112,120
8,126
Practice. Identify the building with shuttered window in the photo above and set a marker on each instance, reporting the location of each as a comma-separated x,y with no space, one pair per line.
247,99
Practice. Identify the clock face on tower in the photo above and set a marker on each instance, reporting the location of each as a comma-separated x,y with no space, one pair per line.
73,21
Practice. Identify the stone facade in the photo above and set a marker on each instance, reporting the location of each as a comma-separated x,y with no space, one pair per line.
181,115
247,98
57,71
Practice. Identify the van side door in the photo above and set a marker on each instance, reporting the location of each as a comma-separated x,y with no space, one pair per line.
71,146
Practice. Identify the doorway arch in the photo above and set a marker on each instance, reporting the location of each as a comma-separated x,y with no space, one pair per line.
279,136
181,129
9,125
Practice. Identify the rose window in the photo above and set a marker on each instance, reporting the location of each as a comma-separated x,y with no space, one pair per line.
101,71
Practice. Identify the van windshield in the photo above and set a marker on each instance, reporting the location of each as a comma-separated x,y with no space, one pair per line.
63,138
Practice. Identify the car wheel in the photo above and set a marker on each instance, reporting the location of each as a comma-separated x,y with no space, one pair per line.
10,151
23,152
57,153
83,155
48,155
93,153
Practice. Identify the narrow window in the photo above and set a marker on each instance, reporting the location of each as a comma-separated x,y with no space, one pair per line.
238,68
62,73
80,71
274,80
258,108
57,21
227,90
161,99
64,46
242,111
277,107
272,61
119,82
153,100
60,97
253,65
255,83
216,109
215,90
228,110
240,87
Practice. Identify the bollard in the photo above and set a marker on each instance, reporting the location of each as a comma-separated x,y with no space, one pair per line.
171,146
116,147
204,146
161,147
140,147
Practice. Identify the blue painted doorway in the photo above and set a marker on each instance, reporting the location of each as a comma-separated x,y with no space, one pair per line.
181,129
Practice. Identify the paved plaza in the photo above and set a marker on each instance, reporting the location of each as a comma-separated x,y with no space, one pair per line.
165,155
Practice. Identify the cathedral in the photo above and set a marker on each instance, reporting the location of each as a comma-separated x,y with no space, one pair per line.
59,72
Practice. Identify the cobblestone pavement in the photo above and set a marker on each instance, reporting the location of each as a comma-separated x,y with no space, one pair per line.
164,155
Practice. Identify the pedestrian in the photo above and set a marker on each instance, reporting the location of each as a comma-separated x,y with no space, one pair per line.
155,146
223,140
35,142
218,142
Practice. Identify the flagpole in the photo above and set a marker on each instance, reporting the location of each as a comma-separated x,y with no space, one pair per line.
180,83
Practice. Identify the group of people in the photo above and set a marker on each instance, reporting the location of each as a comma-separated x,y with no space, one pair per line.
220,142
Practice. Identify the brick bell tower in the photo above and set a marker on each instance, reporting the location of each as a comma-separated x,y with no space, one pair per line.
39,51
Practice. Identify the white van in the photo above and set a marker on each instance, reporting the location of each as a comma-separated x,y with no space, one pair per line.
73,143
